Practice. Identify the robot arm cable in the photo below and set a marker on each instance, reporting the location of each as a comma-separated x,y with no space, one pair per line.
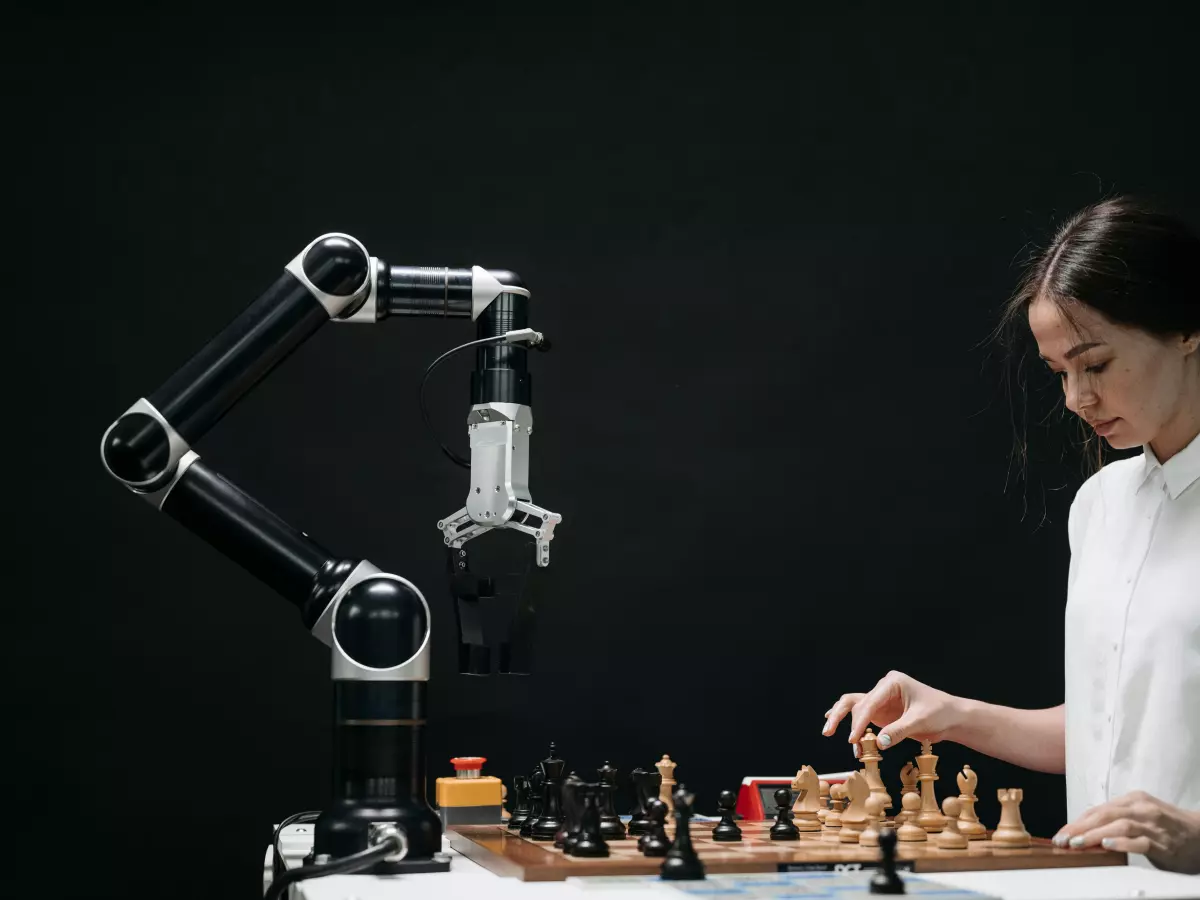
513,338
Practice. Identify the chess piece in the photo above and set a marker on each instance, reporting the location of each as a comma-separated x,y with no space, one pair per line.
537,781
638,823
650,786
930,817
833,819
950,838
823,809
885,880
784,829
727,829
572,810
854,816
610,823
520,802
807,808
590,844
548,823
871,757
870,834
666,791
908,780
682,862
968,822
654,842
910,830
1011,830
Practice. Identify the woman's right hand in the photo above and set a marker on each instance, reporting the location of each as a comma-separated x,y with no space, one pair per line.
902,707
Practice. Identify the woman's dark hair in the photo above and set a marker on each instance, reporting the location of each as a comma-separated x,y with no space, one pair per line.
1136,265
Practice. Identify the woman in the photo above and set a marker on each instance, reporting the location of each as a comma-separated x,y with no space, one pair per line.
1114,305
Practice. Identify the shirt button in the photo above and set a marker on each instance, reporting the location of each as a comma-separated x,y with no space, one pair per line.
1116,647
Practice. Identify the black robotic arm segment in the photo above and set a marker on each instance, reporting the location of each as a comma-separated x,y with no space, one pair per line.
448,292
327,278
244,530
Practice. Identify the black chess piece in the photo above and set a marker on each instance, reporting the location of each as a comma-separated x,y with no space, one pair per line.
575,822
520,810
570,807
649,784
638,823
590,843
550,820
654,842
610,823
726,830
536,781
682,862
784,828
885,880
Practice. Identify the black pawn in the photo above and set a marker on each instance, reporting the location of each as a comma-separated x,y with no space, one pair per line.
547,825
885,880
520,802
648,784
726,830
536,782
682,862
590,844
610,823
654,842
570,805
784,828
638,823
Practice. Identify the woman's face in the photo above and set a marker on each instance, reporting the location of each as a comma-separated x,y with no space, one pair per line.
1127,384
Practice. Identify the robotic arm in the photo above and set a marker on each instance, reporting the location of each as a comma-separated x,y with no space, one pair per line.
377,624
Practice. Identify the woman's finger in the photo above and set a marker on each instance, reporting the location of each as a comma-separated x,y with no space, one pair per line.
865,709
1140,845
1121,828
838,711
1096,817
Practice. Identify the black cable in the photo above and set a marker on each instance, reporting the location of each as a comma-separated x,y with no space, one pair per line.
454,457
360,860
278,866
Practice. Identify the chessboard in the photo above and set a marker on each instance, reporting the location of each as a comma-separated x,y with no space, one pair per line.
506,853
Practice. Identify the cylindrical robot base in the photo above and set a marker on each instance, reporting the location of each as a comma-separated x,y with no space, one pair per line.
379,775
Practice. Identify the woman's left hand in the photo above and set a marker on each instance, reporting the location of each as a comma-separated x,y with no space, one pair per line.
1138,823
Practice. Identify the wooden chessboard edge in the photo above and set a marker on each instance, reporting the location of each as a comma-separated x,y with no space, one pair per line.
1072,860
462,840
477,853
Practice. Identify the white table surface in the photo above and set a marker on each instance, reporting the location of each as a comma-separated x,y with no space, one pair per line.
467,880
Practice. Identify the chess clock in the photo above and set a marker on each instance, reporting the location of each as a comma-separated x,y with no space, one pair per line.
756,796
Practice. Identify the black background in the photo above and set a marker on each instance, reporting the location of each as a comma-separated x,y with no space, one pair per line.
769,252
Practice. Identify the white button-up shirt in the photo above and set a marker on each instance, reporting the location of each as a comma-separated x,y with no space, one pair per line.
1133,633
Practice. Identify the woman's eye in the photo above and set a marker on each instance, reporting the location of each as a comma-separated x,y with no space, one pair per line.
1097,369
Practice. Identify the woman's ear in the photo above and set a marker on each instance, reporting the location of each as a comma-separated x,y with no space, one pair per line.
1189,342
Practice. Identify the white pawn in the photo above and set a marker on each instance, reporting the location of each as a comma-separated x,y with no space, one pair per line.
950,838
910,830
870,834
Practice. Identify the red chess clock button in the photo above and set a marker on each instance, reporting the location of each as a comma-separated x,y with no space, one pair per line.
467,763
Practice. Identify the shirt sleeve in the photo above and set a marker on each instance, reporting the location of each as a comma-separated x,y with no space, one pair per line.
1077,519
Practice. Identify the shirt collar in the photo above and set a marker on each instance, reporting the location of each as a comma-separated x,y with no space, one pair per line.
1178,472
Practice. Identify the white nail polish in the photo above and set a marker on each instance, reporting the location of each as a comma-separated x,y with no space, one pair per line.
856,751
885,740
1108,843
1077,841
1061,840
